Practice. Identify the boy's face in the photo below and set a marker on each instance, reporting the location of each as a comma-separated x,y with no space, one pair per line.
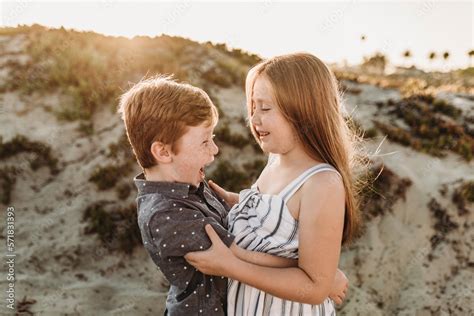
196,150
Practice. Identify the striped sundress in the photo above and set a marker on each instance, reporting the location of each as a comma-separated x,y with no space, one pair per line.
262,222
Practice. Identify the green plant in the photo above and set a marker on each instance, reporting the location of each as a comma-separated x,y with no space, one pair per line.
230,177
116,227
383,189
43,155
463,195
123,191
428,131
443,223
224,134
7,183
106,177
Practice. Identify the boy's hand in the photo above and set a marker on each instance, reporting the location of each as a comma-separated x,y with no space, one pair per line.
229,197
339,287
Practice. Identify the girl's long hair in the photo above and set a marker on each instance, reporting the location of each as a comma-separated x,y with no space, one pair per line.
307,94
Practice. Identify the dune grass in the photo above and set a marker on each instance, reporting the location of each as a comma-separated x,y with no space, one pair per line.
94,69
434,126
42,153
115,225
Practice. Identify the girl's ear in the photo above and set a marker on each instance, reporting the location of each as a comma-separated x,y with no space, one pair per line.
161,152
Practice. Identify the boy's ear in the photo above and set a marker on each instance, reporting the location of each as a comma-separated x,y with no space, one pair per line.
161,152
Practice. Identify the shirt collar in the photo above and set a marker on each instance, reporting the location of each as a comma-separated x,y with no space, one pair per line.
176,189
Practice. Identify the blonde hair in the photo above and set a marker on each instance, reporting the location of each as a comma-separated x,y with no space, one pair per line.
306,92
161,109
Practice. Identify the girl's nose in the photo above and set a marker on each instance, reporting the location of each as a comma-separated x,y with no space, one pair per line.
255,119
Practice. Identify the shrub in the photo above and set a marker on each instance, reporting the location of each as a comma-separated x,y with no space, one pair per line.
116,227
462,196
230,177
429,130
443,223
124,190
382,192
43,155
106,177
224,134
7,183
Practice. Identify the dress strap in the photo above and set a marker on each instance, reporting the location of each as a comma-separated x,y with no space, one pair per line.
291,188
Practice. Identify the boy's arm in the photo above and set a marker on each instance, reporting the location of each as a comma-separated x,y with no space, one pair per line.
261,258
178,230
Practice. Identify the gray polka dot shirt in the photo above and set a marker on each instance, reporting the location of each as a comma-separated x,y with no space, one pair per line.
171,217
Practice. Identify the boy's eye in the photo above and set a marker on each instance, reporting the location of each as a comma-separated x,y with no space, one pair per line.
207,141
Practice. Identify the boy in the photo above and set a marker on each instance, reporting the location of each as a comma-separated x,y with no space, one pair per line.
170,128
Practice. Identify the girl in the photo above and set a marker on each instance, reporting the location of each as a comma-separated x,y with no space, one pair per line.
303,204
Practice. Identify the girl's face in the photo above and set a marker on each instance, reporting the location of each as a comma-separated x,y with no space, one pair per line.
275,133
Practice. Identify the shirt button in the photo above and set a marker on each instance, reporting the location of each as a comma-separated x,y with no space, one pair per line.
172,190
174,233
164,245
174,204
215,309
182,246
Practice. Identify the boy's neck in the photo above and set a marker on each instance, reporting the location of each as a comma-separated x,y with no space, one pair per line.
155,174
161,175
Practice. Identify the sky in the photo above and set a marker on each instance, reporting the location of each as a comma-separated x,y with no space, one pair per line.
330,30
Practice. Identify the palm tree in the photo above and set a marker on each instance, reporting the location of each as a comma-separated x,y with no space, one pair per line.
363,37
407,55
446,55
471,55
432,56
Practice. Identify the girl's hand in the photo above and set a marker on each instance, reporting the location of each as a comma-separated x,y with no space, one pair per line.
214,261
339,288
229,197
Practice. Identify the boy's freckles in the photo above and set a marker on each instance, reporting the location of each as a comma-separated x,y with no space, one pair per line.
196,151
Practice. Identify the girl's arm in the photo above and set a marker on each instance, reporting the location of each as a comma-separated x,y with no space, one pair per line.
261,258
321,224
